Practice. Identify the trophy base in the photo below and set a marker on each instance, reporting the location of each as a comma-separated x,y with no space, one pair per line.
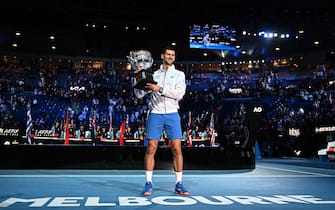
142,78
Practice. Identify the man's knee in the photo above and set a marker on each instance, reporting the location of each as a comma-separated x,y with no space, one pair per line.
151,148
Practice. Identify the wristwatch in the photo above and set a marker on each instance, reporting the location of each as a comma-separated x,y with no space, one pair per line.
160,90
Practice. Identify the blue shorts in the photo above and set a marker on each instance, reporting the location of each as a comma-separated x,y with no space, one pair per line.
157,122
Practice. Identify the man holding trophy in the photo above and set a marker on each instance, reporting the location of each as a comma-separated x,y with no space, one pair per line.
165,87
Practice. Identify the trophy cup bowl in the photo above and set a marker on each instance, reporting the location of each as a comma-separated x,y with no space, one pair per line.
141,62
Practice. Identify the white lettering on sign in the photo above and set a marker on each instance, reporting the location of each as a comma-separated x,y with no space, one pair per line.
165,201
324,129
294,132
9,132
257,109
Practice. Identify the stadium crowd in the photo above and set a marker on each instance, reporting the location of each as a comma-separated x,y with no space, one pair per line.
94,103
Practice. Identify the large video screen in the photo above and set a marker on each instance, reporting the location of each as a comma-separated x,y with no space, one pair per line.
212,37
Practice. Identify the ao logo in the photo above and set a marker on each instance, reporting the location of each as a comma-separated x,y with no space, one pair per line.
258,109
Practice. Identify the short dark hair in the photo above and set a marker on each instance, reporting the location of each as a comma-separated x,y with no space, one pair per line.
168,48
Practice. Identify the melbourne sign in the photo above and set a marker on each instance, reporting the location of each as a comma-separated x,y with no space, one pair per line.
134,201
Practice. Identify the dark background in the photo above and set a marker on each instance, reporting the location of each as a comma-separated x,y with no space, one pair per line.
159,23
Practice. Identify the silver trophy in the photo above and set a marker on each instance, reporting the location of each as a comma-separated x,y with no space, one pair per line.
141,62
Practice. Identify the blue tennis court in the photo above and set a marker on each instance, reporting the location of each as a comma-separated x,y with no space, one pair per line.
273,184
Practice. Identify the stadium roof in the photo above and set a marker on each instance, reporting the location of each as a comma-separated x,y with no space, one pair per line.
113,28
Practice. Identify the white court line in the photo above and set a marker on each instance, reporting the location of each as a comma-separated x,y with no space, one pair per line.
250,174
166,176
296,171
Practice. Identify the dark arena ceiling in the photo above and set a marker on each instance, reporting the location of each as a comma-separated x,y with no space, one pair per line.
106,28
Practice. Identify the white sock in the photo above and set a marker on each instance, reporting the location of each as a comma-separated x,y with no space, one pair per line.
179,176
148,175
